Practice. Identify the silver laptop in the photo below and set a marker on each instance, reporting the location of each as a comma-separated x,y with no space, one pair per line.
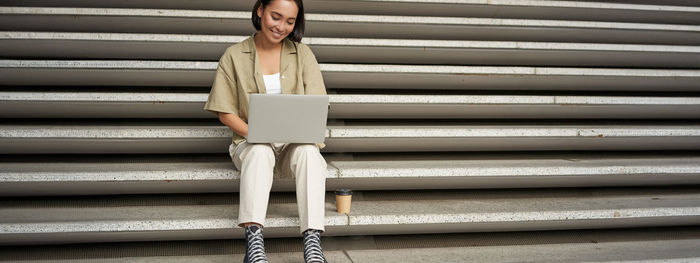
284,118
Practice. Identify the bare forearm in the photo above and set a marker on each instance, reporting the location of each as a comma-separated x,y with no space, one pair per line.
235,123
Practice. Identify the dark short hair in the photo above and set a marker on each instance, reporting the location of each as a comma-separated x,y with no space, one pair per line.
298,31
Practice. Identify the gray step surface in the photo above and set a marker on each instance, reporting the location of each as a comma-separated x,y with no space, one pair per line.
334,25
681,251
504,138
353,106
347,50
663,252
49,139
351,76
190,217
652,2
637,245
651,244
576,10
39,175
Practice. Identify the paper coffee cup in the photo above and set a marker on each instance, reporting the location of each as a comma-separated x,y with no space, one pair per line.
342,200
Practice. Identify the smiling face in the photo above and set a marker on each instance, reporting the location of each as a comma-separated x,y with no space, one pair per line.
277,20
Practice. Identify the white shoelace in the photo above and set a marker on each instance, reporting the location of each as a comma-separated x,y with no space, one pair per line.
256,246
312,247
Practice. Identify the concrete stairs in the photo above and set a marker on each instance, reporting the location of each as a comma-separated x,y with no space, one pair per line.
489,131
210,216
129,174
629,245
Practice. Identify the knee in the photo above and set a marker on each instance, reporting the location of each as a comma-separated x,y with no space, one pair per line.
308,152
261,151
307,149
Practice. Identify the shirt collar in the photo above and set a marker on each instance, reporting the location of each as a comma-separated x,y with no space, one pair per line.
288,46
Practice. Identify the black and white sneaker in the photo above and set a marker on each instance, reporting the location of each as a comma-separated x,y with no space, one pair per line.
254,246
312,247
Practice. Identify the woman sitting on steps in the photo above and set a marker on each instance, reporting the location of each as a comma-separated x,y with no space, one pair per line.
272,61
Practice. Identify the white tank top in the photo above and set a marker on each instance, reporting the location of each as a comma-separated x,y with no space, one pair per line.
272,83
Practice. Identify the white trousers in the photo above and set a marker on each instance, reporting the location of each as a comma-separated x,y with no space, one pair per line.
257,163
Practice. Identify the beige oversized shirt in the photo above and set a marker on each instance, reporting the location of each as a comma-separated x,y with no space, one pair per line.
239,75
